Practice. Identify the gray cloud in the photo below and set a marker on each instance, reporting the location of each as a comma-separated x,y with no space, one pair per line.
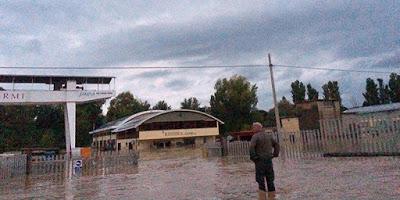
391,61
150,74
356,34
177,84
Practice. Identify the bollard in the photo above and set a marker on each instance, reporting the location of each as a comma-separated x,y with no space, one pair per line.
28,162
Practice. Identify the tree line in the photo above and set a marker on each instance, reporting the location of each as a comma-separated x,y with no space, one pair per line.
375,94
330,92
43,125
382,93
234,101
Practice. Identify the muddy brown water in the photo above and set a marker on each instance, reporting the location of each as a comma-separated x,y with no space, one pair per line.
187,175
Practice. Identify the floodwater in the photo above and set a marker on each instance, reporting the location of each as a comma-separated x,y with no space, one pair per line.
186,175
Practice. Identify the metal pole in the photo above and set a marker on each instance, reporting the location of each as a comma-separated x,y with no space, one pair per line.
277,118
278,123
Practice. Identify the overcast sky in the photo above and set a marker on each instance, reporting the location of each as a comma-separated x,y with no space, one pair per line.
340,34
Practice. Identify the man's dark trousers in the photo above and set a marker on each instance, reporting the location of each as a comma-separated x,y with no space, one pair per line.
265,170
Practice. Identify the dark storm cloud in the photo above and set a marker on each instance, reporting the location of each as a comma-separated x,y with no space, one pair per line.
392,61
150,74
228,40
178,84
345,34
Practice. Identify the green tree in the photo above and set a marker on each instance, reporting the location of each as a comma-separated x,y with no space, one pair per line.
206,109
161,105
55,126
298,91
286,109
190,103
18,127
233,101
125,104
43,126
384,92
312,93
259,116
89,116
371,95
48,139
394,86
331,91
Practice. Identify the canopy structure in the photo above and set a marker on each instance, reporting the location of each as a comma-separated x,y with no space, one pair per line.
134,121
55,79
67,90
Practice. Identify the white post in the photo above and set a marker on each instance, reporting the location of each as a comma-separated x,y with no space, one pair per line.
70,123
70,120
67,131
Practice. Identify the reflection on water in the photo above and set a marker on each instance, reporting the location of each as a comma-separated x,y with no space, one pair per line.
181,175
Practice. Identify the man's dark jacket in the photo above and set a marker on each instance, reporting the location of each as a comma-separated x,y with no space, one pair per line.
263,146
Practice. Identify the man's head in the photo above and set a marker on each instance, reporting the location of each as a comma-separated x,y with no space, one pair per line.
257,127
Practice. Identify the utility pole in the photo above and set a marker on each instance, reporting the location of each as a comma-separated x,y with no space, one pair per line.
277,118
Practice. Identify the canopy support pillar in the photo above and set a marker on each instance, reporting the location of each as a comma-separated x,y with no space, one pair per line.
70,120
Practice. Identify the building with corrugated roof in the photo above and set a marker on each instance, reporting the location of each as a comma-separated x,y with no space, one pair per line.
157,129
373,117
376,109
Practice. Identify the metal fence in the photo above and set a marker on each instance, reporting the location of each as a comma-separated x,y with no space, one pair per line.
212,150
362,134
349,136
62,166
238,148
12,165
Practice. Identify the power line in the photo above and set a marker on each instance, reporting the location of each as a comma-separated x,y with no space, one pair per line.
336,69
198,67
141,67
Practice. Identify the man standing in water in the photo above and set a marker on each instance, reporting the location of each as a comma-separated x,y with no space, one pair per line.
263,148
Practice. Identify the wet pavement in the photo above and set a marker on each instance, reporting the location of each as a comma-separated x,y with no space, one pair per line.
189,176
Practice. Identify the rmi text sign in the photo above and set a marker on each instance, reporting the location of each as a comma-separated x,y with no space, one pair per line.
52,97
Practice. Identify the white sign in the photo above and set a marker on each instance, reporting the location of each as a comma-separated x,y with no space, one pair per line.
179,133
51,97
78,164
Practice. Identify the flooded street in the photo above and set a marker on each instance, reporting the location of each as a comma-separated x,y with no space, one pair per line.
189,176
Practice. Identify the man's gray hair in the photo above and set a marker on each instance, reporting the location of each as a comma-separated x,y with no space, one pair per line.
258,124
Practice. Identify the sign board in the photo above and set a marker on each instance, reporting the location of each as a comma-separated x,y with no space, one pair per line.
178,133
77,164
51,97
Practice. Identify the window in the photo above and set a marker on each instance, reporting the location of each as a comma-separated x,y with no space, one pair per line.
189,141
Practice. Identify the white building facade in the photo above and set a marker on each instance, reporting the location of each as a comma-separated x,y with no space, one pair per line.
157,129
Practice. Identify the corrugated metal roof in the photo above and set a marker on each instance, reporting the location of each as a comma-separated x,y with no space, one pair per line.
47,79
137,119
122,121
372,109
135,122
110,125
